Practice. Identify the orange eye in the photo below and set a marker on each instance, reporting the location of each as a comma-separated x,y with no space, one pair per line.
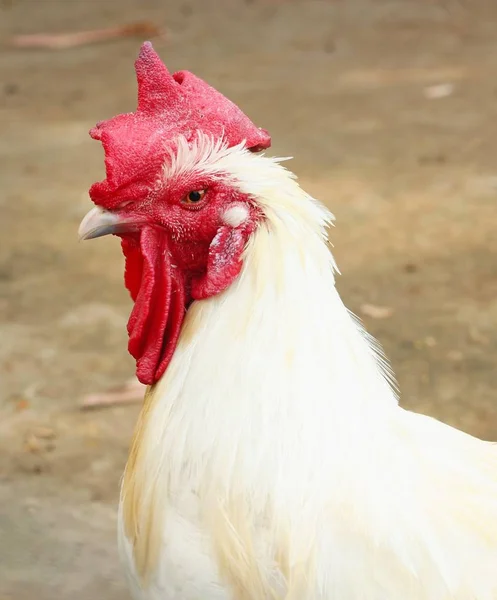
194,197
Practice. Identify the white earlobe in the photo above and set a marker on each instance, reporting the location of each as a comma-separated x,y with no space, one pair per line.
235,215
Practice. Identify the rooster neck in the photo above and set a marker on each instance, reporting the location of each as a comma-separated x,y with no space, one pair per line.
274,359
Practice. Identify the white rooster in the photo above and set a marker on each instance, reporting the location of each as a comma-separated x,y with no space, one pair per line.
271,459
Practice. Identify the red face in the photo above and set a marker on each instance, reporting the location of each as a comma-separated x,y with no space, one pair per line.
182,243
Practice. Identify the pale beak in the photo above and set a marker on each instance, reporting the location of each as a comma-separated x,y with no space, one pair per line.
99,222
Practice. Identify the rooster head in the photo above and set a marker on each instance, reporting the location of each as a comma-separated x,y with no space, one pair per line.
183,228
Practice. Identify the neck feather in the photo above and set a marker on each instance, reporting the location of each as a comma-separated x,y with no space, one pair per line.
277,352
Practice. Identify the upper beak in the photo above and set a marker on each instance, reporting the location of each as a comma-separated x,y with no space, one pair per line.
98,222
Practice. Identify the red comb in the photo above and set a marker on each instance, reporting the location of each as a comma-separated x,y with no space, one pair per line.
136,144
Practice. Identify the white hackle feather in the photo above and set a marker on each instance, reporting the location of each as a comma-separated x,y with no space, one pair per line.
272,459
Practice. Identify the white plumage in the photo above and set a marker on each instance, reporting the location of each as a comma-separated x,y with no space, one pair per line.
272,460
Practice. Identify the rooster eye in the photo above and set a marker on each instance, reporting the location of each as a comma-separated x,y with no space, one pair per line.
194,197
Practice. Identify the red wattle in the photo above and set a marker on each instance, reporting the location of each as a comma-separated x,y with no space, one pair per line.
159,293
134,265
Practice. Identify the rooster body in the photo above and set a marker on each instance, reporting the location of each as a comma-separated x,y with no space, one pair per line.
271,459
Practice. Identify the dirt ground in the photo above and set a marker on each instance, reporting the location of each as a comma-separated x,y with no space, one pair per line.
389,108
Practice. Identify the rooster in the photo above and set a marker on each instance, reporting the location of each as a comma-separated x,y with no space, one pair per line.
271,459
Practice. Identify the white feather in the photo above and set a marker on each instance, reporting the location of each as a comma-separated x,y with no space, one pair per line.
278,412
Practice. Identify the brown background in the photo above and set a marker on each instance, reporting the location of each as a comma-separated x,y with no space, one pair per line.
345,86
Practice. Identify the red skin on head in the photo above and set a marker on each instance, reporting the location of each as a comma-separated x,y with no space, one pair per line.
180,253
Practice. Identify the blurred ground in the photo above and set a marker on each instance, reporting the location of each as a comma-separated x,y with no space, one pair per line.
345,86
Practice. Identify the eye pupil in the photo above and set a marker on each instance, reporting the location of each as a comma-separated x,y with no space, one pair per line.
195,196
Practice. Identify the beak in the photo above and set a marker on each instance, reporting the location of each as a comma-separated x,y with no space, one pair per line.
99,222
